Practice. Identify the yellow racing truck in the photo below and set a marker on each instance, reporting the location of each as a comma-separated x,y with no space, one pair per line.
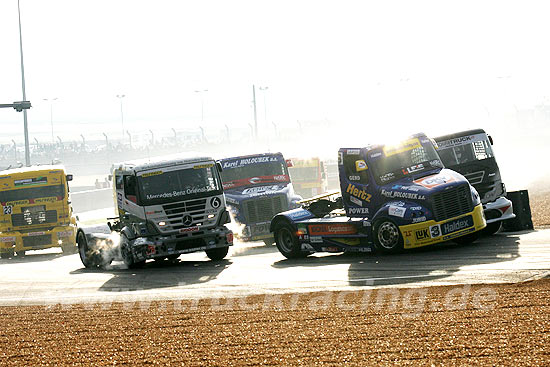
36,211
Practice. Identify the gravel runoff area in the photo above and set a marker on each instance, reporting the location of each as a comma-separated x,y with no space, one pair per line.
462,325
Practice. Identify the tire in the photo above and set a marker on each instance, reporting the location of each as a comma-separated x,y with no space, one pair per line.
469,238
387,237
127,255
492,228
287,242
90,256
217,253
21,253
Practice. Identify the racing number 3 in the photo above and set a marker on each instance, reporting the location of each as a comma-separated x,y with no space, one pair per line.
7,209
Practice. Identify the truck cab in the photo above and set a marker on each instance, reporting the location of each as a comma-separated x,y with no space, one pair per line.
36,210
393,197
256,188
166,207
308,176
471,153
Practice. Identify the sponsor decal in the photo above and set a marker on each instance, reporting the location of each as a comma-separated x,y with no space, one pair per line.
434,181
189,229
230,200
331,229
415,168
360,165
405,146
356,201
149,174
7,239
256,180
47,200
299,214
436,163
260,189
36,233
457,225
396,211
363,211
402,195
247,161
175,193
360,194
387,177
200,166
415,208
354,178
352,152
376,155
64,234
463,140
8,209
316,239
422,234
31,181
419,219
17,202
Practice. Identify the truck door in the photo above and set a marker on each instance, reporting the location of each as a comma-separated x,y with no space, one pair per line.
354,182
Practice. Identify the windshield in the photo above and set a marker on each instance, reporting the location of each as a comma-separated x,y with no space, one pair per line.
162,187
32,193
411,156
265,172
465,153
304,174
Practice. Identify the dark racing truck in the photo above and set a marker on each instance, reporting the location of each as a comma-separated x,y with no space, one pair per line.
471,153
256,188
392,197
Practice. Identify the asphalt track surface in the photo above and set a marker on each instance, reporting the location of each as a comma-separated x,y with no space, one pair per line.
49,278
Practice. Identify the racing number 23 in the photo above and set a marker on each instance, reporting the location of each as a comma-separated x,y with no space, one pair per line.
8,209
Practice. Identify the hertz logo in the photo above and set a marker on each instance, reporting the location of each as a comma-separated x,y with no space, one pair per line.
360,194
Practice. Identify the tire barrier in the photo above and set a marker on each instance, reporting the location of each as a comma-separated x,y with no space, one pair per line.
522,210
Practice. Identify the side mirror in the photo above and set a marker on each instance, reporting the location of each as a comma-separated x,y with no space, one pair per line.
69,177
490,139
110,177
219,166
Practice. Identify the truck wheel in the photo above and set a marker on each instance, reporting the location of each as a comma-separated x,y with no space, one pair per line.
287,242
21,253
492,228
90,257
387,237
217,253
127,255
466,240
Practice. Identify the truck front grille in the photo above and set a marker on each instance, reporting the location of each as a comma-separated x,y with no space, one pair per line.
41,240
263,209
475,177
176,213
452,202
28,218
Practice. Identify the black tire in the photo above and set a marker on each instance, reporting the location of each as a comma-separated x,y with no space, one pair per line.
21,253
90,257
466,240
492,228
288,243
127,255
387,237
217,253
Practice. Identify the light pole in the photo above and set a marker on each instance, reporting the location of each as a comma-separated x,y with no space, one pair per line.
120,96
263,89
255,114
51,113
25,125
200,92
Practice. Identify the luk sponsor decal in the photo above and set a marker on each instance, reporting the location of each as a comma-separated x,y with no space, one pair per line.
402,195
422,234
331,229
360,194
396,211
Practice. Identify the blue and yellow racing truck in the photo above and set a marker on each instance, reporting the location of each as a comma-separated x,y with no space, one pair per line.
392,198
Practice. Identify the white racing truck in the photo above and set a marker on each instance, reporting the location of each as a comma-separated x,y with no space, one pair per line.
166,207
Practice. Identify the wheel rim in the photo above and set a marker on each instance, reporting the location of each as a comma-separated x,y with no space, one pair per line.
388,235
286,241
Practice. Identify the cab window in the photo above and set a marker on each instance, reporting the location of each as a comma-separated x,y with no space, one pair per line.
130,191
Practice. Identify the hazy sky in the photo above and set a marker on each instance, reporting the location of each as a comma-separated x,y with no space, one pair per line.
362,63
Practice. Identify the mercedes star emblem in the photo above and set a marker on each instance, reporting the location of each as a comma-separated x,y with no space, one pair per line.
187,220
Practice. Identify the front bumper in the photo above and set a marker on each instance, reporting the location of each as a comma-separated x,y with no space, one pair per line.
498,210
37,239
144,248
431,232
